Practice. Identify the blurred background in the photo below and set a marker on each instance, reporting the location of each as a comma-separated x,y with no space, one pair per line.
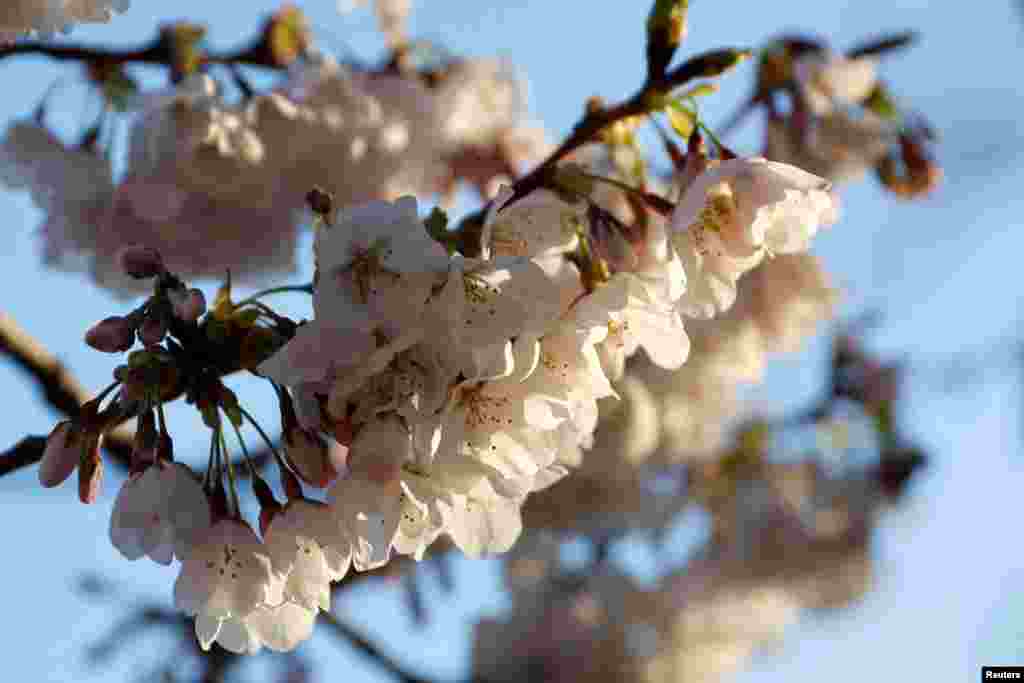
943,272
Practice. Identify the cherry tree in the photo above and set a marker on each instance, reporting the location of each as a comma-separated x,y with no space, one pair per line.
564,360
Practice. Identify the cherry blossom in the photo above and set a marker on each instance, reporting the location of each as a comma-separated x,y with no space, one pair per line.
159,512
225,574
540,224
377,262
308,551
829,79
46,18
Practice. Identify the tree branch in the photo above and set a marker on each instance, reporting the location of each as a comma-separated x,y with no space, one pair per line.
159,52
369,649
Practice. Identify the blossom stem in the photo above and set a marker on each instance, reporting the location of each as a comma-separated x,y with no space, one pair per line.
211,464
230,467
245,450
307,288
659,204
706,65
270,444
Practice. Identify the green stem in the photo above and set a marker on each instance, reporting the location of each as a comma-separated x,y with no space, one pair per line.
245,451
307,288
270,444
231,469
659,203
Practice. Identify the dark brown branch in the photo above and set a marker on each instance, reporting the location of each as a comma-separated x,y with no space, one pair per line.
369,649
706,65
60,389
157,53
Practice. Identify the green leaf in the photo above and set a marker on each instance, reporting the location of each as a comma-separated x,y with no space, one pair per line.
881,103
682,120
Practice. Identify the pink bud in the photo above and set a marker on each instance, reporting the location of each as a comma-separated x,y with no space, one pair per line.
140,262
188,305
307,452
152,331
63,448
111,335
343,431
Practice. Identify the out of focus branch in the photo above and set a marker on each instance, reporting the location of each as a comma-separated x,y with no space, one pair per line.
60,389
706,65
162,51
369,649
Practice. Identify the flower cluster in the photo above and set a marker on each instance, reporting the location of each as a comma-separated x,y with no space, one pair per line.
830,114
46,18
451,386
735,594
213,183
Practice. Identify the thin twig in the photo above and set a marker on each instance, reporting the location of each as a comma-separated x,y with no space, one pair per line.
369,649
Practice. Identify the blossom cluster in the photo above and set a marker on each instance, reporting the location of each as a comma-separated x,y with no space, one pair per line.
830,114
735,594
45,17
456,384
213,183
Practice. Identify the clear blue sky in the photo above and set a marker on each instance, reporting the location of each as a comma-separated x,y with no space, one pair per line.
945,271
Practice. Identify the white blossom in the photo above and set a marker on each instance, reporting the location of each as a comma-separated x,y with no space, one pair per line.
194,140
225,574
540,224
159,513
46,17
377,263
734,214
308,550
840,146
829,80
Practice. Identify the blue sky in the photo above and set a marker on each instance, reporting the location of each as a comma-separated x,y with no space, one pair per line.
944,270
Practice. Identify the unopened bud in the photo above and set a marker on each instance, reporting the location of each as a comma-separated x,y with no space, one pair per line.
343,431
290,484
60,457
609,239
666,28
188,304
140,262
111,335
153,330
90,472
307,453
320,202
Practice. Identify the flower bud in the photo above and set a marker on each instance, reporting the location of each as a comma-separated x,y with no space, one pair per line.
60,457
188,304
307,453
140,262
268,503
343,432
290,483
111,335
90,471
153,330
